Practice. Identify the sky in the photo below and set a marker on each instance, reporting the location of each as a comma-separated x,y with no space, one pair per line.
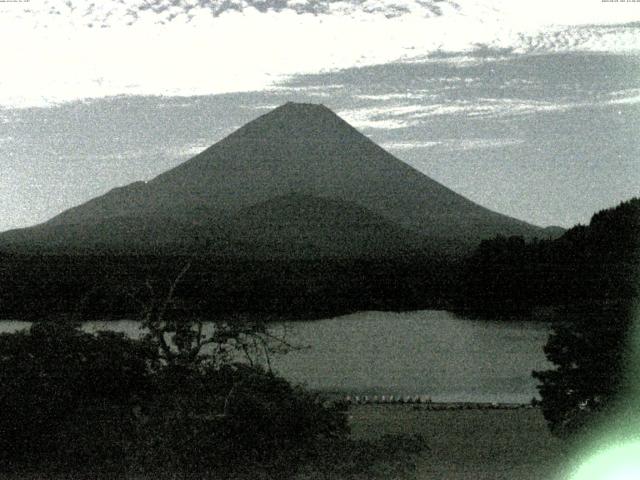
530,108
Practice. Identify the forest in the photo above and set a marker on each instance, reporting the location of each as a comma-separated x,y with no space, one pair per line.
589,264
112,286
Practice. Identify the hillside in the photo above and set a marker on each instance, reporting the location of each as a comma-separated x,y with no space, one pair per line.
304,226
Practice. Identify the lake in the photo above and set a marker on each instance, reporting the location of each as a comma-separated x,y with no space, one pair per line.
425,352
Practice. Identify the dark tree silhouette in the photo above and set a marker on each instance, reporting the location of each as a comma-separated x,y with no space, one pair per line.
594,263
590,345
590,352
177,399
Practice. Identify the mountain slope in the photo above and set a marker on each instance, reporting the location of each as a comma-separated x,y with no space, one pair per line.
303,226
293,226
301,148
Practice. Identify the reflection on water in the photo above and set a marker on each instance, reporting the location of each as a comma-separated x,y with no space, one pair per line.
411,353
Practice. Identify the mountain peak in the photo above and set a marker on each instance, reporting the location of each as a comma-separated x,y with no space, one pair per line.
302,106
296,111
311,123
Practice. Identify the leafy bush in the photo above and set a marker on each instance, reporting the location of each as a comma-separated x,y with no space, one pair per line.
67,396
230,417
71,400
590,351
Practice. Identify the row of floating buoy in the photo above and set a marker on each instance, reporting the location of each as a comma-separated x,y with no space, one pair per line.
364,399
429,404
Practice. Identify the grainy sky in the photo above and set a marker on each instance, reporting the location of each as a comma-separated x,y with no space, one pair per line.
530,108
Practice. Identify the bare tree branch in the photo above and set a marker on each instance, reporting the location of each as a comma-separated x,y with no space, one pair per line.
169,298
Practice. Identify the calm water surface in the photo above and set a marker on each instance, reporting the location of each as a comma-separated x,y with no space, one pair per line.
423,352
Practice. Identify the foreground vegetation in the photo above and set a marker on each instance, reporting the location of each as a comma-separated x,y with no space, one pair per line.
591,345
78,405
178,402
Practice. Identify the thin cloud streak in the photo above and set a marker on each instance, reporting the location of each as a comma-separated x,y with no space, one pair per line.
455,144
385,116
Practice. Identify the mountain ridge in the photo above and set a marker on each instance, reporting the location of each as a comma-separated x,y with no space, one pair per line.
295,148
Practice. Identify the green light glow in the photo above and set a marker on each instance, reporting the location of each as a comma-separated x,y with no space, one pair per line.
617,463
616,455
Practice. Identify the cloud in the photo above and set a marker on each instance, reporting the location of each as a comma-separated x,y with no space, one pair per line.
383,117
625,97
516,13
402,116
318,91
74,50
395,111
114,12
408,95
453,144
481,143
590,38
410,145
186,151
179,153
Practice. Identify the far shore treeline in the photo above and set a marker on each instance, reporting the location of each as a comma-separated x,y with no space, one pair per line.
112,286
588,265
504,277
